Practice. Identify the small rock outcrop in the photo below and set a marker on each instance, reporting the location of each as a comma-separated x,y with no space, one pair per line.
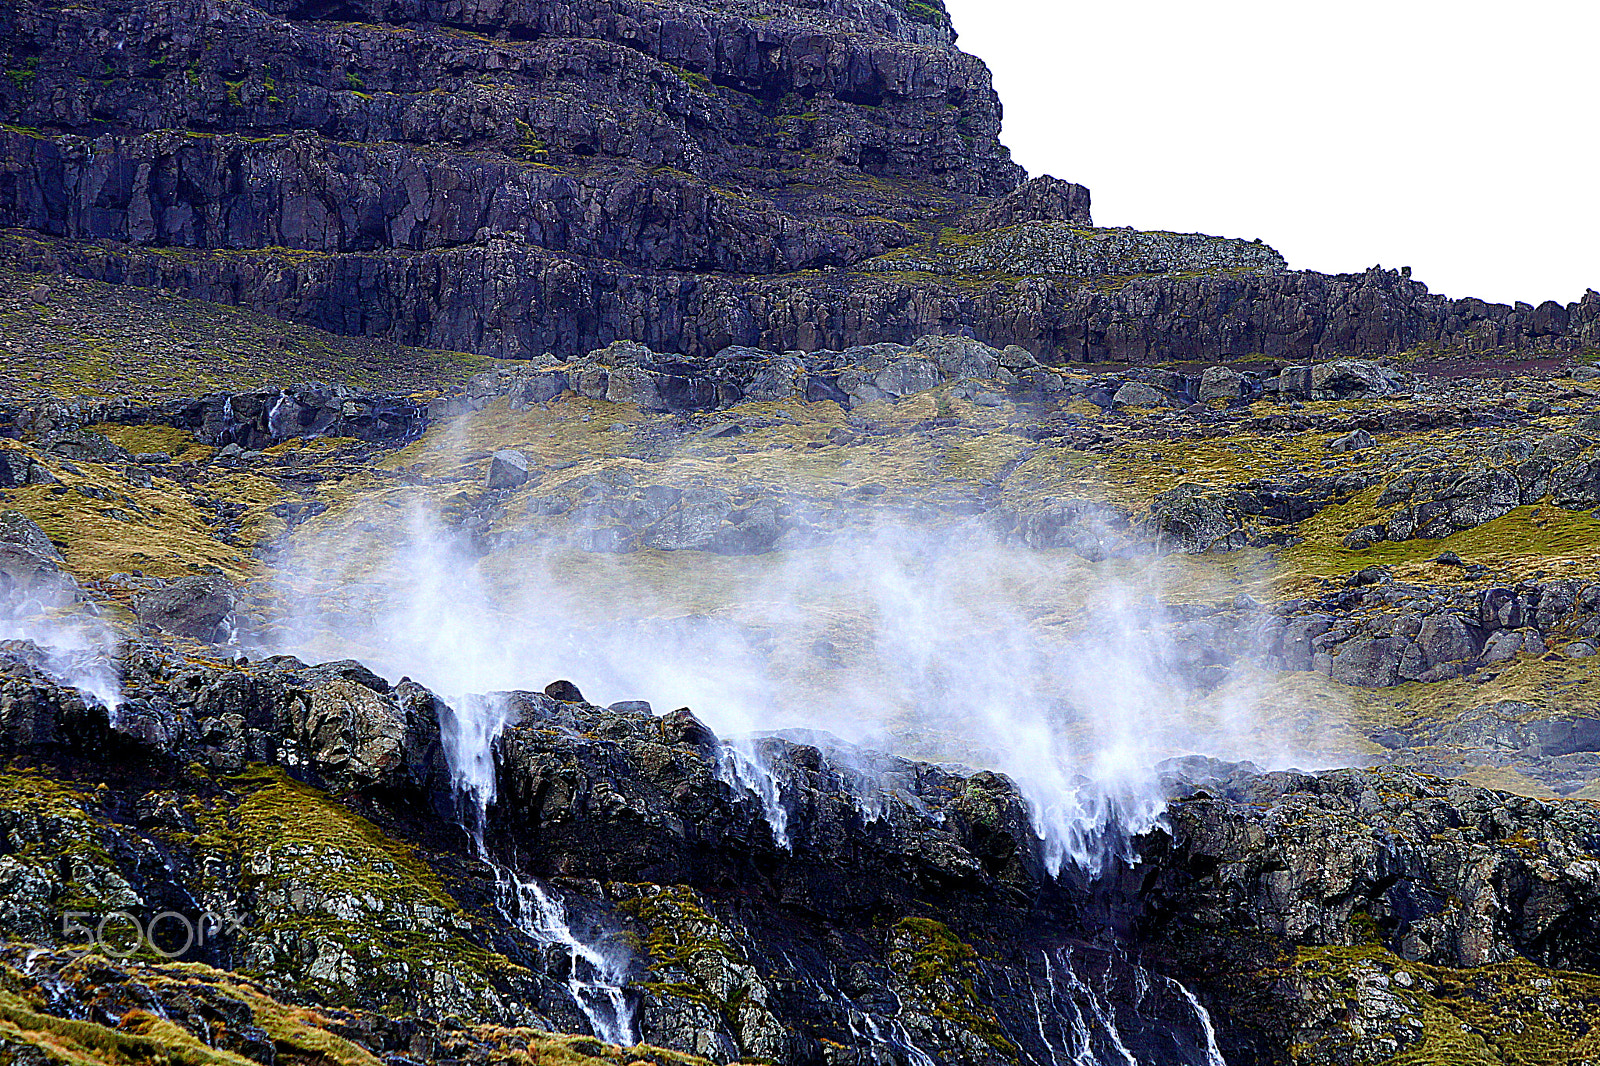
200,608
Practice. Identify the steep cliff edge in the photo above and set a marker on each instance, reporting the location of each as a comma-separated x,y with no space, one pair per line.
515,179
787,900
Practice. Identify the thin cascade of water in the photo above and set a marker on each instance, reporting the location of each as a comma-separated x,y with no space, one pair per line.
596,979
275,418
1085,1018
879,1031
739,766
891,1033
1203,1016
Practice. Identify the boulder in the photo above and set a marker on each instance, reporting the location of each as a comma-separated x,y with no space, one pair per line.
356,736
31,581
958,357
692,523
1364,537
682,727
1190,519
17,528
84,445
17,467
1347,378
1041,199
200,608
1294,383
1138,394
636,385
1220,383
540,386
1092,530
564,691
508,469
1372,662
906,376
1354,441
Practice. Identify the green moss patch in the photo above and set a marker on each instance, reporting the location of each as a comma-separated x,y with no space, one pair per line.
1508,1014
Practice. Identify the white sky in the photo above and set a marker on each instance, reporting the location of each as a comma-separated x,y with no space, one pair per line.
1461,139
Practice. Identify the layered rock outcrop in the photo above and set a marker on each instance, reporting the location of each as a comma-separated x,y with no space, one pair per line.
516,180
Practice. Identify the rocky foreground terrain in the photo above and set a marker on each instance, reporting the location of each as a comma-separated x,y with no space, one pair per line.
630,533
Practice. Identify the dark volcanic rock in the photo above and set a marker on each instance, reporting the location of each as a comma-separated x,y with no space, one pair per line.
900,892
550,177
200,608
1043,199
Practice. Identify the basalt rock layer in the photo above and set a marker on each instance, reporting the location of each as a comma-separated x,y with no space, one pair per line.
520,179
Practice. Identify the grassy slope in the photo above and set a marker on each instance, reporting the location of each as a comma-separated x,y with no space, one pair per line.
90,339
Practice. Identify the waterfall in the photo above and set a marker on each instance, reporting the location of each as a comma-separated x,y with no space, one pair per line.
468,730
741,766
596,978
275,427
76,652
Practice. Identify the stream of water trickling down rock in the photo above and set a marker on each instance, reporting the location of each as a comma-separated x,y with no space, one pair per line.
1092,1005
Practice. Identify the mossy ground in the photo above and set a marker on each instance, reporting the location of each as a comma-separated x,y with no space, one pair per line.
105,523
90,339
336,895
299,1035
1508,1013
329,906
938,969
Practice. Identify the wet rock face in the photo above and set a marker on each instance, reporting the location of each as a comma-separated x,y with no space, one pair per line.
859,901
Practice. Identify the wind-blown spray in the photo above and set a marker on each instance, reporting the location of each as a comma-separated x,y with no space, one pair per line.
70,643
946,644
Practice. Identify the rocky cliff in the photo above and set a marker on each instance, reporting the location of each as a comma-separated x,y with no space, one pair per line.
896,912
516,179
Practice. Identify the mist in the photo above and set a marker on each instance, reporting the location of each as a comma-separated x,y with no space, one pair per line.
69,644
945,643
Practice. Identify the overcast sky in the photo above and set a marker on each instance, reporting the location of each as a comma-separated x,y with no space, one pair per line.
1461,139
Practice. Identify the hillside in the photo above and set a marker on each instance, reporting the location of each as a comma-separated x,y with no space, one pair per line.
628,532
